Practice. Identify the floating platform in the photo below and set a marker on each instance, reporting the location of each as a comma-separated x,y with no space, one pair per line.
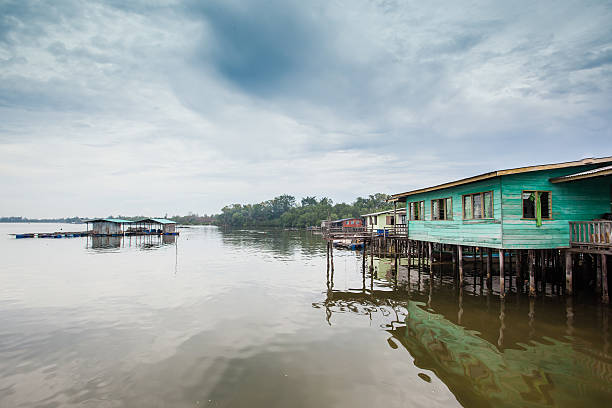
61,234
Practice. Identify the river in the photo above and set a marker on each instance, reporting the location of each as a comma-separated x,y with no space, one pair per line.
247,318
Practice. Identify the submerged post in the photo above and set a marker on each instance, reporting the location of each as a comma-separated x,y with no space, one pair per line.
568,272
502,286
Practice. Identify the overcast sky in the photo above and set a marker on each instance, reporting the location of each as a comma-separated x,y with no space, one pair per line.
174,106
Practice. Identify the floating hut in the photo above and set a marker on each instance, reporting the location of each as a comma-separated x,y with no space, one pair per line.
153,226
107,226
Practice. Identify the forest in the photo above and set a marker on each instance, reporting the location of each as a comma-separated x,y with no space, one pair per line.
286,211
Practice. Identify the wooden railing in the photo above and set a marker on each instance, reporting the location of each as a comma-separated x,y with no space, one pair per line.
590,233
344,230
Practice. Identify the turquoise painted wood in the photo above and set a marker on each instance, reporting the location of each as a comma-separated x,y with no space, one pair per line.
579,200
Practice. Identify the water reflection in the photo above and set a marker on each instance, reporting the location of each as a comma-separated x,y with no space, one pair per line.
144,242
265,319
281,243
488,351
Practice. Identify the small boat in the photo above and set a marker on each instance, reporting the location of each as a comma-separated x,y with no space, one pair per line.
351,244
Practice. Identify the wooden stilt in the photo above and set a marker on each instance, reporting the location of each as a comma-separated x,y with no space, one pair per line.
489,263
543,262
409,255
364,256
531,262
604,279
502,286
599,262
431,256
568,272
460,260
517,270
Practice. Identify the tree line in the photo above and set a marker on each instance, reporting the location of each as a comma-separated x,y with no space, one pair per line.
285,211
281,211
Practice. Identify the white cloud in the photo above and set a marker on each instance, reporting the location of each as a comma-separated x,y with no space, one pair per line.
133,109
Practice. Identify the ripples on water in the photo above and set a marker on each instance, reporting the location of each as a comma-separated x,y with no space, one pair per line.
251,318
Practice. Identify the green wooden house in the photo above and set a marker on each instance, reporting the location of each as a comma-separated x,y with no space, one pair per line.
523,208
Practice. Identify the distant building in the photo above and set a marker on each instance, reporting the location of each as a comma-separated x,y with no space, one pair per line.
107,226
384,220
347,223
156,225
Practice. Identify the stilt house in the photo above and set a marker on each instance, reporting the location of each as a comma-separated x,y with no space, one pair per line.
536,207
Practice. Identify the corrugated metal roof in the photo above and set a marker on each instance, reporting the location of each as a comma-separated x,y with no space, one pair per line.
157,221
346,219
485,176
113,220
601,171
399,211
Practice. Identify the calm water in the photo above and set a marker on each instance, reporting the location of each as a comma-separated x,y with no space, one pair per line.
251,318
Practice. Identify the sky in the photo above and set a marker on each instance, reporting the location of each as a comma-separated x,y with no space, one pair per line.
168,107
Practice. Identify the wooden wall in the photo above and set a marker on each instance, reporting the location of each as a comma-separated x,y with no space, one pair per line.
571,201
486,233
580,200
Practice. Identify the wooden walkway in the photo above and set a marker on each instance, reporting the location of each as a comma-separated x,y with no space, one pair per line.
590,243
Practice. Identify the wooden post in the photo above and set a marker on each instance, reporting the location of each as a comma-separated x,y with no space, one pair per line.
431,256
517,270
364,256
372,257
502,286
568,272
599,261
460,260
604,279
489,263
394,218
408,254
531,262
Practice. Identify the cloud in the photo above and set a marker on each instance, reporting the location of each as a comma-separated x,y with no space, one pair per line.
207,103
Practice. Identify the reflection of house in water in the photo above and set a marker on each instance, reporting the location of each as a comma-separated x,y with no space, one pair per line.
137,241
105,242
535,365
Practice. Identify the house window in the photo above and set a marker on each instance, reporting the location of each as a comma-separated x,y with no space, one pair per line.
442,209
417,211
531,199
478,206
